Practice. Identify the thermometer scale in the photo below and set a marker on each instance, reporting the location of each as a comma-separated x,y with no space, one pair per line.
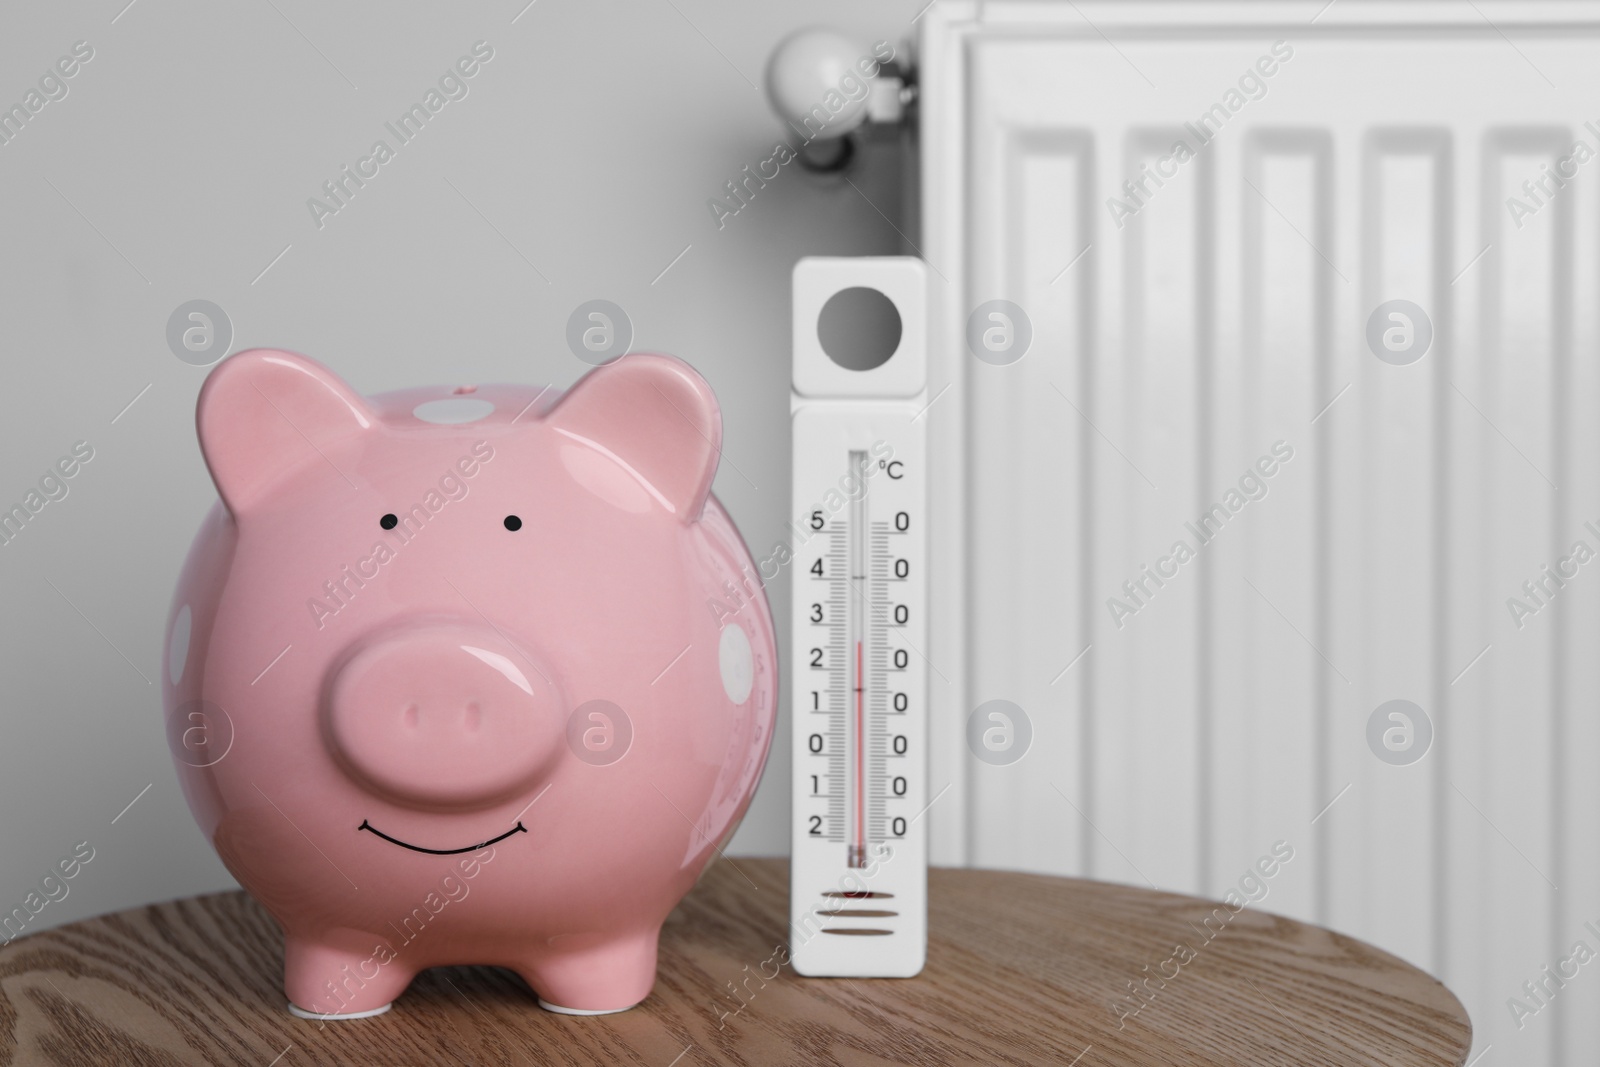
858,869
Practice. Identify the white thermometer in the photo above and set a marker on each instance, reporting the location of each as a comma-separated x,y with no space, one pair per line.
857,673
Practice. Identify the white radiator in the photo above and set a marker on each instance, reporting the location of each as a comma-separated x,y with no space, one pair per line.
1177,338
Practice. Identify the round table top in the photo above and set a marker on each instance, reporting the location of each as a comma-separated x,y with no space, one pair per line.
1022,969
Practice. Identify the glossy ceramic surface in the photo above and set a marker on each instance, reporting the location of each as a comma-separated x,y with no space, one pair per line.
470,674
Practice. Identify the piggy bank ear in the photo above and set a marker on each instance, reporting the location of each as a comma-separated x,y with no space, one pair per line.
263,412
657,417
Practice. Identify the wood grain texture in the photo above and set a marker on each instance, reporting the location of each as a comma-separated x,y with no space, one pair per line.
1022,969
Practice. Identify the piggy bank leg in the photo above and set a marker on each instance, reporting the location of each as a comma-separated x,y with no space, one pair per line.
323,982
591,974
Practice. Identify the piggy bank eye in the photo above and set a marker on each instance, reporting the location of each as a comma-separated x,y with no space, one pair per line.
513,523
389,522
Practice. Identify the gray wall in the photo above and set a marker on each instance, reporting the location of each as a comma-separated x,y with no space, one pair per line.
178,166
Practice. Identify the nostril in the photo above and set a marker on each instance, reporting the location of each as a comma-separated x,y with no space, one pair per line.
474,716
413,716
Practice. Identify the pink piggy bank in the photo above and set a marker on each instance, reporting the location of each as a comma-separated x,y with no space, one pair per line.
466,675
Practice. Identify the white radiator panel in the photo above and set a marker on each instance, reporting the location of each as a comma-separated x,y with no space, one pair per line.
1229,313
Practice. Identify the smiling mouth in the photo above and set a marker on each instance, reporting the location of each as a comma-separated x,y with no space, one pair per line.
517,829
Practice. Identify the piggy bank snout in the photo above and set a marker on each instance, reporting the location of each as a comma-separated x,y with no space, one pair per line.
444,717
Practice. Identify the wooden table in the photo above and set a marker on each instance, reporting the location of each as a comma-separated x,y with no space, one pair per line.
1022,969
